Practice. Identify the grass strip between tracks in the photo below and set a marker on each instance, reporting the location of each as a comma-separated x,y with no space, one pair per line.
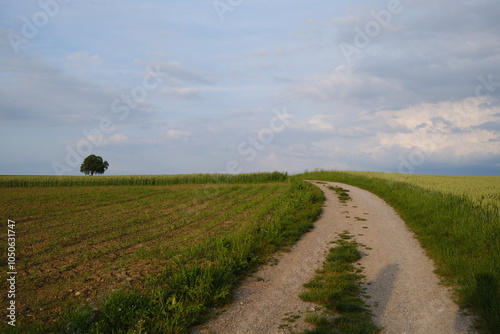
337,288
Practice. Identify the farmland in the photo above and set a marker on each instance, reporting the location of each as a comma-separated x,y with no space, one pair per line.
13,181
457,222
483,191
152,254
144,257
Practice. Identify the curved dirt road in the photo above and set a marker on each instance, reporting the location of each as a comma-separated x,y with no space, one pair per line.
405,295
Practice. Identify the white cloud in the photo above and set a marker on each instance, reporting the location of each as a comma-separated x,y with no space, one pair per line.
179,73
182,93
271,52
317,123
177,134
478,142
118,138
98,139
468,127
345,20
444,115
343,84
84,58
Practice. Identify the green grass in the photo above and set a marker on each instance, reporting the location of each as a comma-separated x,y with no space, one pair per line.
456,223
336,287
137,259
342,194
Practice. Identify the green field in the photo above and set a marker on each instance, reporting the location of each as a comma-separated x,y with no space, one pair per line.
13,181
152,254
144,258
456,220
481,190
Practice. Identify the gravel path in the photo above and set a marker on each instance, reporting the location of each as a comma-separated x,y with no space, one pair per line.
405,293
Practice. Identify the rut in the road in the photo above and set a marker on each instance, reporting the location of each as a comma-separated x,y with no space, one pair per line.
405,293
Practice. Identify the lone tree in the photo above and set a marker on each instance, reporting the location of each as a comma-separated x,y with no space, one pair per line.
93,165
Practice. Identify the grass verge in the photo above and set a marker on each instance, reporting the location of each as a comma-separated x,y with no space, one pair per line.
336,287
459,234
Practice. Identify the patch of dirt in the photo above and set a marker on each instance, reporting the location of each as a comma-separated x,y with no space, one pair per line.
404,293
86,283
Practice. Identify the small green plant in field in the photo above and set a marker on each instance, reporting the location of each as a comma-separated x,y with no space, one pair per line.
337,287
456,220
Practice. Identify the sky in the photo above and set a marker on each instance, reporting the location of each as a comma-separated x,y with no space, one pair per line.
235,86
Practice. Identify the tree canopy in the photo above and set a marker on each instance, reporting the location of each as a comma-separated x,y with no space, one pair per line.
93,165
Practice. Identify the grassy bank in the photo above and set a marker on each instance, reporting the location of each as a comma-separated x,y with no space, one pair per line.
137,259
460,231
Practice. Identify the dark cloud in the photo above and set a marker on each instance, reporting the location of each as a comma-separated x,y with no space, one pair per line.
39,93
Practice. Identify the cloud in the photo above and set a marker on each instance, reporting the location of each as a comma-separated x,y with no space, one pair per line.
118,138
437,52
45,94
177,134
345,85
266,67
84,58
318,122
412,87
98,140
430,52
178,74
271,52
280,79
346,20
449,128
178,81
445,116
181,93
476,143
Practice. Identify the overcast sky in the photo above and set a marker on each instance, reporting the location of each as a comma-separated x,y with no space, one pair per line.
169,87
